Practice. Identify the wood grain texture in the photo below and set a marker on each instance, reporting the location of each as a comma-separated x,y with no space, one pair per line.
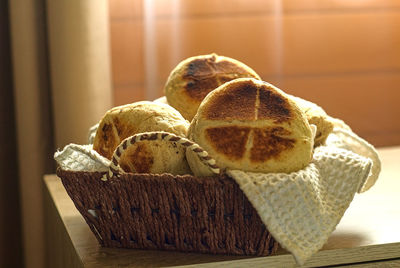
368,232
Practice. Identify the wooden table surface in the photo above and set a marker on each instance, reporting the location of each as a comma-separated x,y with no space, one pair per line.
367,235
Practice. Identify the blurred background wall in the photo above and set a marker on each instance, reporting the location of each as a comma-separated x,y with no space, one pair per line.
343,55
59,68
11,254
64,63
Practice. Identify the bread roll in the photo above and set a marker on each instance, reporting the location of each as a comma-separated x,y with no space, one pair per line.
251,125
195,77
316,116
155,157
145,156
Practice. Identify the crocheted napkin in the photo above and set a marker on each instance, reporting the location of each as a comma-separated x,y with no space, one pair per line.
303,208
77,157
300,209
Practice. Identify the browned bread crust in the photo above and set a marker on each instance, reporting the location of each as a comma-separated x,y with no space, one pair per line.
147,156
192,79
251,125
318,117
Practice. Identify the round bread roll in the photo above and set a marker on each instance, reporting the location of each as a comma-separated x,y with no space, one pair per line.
253,126
316,116
193,78
145,156
155,157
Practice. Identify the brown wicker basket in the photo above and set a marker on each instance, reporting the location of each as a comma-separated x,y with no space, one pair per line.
183,213
168,212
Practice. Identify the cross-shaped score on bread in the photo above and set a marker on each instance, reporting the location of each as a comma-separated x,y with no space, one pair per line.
251,125
192,79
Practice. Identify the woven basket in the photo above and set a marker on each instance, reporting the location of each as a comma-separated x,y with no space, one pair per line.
167,212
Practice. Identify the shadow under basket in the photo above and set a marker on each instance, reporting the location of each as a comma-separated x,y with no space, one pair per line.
167,212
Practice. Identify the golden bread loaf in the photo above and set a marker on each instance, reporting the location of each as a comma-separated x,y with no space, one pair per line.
316,116
253,126
192,79
146,156
155,157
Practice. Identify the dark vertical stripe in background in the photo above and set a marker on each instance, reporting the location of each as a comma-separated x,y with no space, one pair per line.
10,220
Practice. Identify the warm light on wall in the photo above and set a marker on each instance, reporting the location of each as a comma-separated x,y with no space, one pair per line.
328,52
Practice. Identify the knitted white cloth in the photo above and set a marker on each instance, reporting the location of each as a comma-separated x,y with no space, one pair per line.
81,158
303,208
300,209
348,140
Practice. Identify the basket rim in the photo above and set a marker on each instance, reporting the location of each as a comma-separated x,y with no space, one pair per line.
162,176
